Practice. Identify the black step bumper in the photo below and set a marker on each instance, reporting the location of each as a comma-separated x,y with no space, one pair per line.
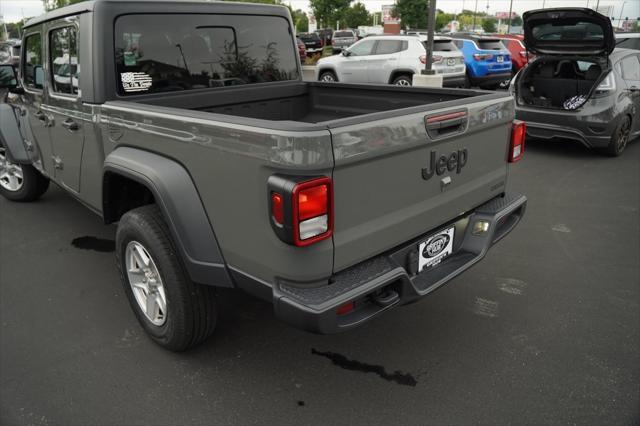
390,279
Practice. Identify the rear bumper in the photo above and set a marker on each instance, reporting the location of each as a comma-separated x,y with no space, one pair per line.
453,81
490,78
390,279
593,128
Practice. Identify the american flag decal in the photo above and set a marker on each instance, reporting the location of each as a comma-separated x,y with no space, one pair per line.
135,81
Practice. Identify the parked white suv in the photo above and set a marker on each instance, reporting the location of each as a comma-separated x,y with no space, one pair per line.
392,60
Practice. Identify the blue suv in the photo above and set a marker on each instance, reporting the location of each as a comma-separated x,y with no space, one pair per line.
488,61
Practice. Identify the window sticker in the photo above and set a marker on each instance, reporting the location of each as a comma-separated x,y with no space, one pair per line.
136,81
130,59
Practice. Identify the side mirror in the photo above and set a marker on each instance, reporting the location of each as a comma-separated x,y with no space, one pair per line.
346,53
8,77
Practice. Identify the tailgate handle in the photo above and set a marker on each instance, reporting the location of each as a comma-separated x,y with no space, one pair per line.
445,124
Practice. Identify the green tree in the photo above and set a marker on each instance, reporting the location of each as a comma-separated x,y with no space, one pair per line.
355,16
413,13
300,20
327,12
516,21
443,19
489,25
54,4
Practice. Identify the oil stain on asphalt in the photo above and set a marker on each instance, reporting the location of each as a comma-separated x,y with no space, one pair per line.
93,243
341,361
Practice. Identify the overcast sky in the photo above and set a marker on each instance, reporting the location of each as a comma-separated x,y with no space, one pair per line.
14,10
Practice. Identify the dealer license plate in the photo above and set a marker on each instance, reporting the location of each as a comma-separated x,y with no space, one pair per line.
500,59
435,248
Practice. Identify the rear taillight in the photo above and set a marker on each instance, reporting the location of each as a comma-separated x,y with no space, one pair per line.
516,148
301,208
523,53
606,86
436,58
482,56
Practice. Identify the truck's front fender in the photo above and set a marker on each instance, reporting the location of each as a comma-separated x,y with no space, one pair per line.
178,199
11,137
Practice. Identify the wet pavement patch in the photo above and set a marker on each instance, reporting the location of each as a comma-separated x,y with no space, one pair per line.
93,243
341,361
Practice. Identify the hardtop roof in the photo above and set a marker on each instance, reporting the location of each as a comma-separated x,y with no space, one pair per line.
90,6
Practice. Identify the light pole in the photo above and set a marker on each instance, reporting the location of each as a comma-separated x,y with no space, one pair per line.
475,11
620,17
510,9
431,24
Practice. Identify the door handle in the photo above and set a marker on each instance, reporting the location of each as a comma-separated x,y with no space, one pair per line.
70,125
40,115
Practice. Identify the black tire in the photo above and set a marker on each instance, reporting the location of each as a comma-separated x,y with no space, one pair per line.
467,81
403,80
33,184
619,138
191,310
328,77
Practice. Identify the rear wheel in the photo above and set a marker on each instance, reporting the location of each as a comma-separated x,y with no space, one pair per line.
20,182
403,80
174,311
328,77
620,138
467,81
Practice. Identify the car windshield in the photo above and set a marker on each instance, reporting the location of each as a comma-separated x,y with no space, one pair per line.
309,37
159,53
573,32
339,34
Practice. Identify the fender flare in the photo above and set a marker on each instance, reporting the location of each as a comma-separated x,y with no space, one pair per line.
180,203
11,137
400,71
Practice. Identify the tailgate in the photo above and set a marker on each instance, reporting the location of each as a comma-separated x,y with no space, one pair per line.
386,190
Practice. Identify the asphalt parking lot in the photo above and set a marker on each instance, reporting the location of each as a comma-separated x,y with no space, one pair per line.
546,330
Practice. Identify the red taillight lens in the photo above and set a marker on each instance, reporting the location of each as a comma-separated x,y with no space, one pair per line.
482,56
423,59
437,58
312,211
516,149
277,208
346,308
313,202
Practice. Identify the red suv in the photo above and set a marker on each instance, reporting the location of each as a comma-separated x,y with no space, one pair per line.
513,43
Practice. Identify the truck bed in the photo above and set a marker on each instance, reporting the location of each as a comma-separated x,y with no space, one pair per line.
309,102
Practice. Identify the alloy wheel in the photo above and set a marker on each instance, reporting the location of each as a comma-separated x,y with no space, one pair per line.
146,283
11,176
623,135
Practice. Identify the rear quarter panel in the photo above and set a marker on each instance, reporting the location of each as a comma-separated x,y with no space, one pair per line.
229,165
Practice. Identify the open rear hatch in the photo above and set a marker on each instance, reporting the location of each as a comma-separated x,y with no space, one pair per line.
568,31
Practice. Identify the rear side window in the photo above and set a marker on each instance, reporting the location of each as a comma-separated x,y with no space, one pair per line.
158,53
386,47
64,65
339,34
630,67
490,45
365,47
32,65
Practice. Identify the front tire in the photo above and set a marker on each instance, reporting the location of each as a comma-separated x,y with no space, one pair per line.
174,311
403,80
20,182
328,77
619,138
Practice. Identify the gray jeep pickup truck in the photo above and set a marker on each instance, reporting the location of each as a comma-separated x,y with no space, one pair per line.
188,125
